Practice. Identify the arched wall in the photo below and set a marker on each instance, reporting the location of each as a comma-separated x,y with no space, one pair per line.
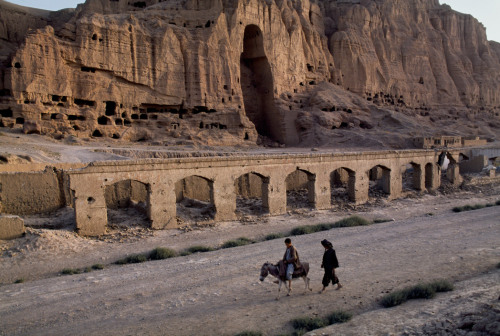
88,184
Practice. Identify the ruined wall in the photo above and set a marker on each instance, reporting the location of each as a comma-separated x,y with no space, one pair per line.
33,193
474,164
122,194
167,69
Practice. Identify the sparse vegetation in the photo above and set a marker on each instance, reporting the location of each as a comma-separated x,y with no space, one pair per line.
21,280
470,207
198,249
302,230
70,271
305,324
420,291
351,221
161,253
274,236
132,259
339,317
97,267
346,222
308,323
237,242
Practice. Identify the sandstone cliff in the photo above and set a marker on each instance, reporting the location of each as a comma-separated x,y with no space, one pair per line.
225,71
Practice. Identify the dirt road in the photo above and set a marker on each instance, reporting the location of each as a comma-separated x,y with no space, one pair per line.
218,293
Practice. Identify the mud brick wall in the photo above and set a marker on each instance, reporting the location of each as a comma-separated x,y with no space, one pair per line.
29,193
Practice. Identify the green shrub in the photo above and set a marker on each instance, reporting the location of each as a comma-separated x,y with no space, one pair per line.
237,242
97,266
394,299
132,259
199,249
473,207
440,286
302,230
339,317
249,333
323,227
69,271
352,221
161,253
420,291
309,323
87,269
21,280
273,236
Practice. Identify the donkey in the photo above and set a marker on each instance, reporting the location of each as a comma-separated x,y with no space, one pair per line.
269,268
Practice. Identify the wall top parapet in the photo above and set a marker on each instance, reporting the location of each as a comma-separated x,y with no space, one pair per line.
248,160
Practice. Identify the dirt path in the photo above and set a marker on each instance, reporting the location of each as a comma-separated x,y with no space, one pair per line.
218,293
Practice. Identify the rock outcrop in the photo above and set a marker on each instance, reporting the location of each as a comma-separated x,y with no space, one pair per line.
226,71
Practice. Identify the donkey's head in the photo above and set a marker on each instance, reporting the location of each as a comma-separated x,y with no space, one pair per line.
264,271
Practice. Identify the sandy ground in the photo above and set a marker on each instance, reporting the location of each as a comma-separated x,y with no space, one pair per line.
218,293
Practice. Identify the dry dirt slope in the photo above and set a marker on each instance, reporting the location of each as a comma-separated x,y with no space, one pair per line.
218,293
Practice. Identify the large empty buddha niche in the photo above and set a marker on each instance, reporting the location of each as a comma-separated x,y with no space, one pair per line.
127,204
257,84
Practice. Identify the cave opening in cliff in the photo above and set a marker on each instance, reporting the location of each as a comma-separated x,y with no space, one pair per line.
257,84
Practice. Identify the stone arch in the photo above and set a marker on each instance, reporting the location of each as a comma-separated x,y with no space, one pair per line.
379,178
251,194
194,197
257,84
411,175
127,203
300,189
342,181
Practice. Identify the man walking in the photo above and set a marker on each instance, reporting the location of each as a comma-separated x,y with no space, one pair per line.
330,263
291,261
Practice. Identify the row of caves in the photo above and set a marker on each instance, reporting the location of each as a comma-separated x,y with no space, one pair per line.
194,195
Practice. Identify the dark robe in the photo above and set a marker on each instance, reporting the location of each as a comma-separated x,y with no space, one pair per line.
330,263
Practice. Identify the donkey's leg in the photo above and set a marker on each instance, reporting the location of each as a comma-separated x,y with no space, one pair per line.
306,283
279,289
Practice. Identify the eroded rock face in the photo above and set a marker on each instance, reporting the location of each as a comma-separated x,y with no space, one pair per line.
224,71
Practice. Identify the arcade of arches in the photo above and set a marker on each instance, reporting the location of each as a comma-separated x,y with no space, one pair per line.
218,188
